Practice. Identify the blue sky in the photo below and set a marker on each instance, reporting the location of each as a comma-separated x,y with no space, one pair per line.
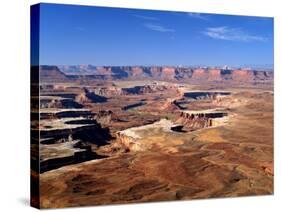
71,35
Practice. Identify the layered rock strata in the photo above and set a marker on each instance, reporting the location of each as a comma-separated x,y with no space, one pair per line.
201,119
53,73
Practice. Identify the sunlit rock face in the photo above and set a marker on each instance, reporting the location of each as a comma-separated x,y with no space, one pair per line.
132,138
192,120
64,73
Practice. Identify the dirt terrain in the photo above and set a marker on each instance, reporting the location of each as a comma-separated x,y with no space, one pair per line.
125,141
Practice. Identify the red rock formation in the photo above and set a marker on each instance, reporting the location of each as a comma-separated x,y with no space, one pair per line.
243,75
128,142
104,71
170,106
82,98
200,119
107,91
104,116
52,73
214,75
155,71
137,72
200,74
268,168
168,72
194,121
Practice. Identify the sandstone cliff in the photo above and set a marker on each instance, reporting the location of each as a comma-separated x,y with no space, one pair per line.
156,72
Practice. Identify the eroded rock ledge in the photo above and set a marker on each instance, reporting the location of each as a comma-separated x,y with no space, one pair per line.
133,139
129,137
196,119
69,136
62,154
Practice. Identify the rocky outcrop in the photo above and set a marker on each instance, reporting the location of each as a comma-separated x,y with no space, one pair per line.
205,94
192,120
84,129
131,138
69,140
268,167
144,89
128,142
104,117
50,113
243,75
78,69
137,72
51,74
199,74
58,102
57,155
170,105
89,97
107,91
168,73
135,90
214,75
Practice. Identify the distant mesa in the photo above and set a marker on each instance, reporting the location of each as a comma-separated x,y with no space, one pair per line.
89,97
89,72
51,73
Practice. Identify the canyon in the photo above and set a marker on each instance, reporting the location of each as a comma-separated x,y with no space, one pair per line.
127,134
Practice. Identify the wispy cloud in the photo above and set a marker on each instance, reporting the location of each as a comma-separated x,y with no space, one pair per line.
158,28
144,17
232,34
198,16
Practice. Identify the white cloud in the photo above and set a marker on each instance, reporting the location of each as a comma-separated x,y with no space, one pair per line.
232,34
198,16
158,28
